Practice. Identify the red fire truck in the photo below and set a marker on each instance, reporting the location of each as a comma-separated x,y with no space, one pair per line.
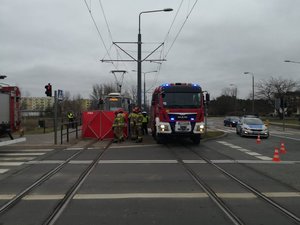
177,109
10,104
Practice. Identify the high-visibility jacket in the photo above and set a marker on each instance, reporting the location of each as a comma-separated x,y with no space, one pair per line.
70,116
119,121
139,119
145,118
132,117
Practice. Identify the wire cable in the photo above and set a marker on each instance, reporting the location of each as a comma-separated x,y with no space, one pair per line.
181,27
98,30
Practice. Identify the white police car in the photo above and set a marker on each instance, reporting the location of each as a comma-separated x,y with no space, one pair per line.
250,126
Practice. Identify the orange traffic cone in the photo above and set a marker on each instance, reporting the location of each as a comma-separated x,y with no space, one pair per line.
282,148
258,139
276,155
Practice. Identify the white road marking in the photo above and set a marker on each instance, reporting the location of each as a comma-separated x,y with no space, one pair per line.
253,153
194,161
81,161
249,152
38,150
282,194
11,163
67,149
131,146
43,197
16,158
22,154
236,195
264,157
115,196
6,197
46,162
140,195
137,161
3,170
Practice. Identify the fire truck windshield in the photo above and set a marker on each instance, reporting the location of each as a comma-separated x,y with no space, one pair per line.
181,100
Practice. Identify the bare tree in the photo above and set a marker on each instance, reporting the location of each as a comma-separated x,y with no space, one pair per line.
274,88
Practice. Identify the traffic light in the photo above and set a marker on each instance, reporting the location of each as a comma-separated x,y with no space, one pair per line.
48,91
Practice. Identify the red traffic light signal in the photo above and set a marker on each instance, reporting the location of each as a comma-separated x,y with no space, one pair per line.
48,91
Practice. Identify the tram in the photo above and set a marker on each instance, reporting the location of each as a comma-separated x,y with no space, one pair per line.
115,101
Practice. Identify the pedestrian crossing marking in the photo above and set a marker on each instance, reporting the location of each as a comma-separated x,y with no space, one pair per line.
19,157
22,154
3,170
246,151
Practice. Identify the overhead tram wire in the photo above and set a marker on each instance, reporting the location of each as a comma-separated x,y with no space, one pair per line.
181,27
98,30
161,56
167,35
111,37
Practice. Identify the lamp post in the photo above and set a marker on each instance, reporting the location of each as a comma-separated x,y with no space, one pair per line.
235,96
252,90
139,59
144,73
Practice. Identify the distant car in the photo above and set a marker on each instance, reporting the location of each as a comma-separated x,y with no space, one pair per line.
231,121
251,126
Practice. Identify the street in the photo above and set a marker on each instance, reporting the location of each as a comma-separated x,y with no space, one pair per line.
227,180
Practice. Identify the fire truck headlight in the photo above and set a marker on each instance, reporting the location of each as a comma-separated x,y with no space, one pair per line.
199,128
164,127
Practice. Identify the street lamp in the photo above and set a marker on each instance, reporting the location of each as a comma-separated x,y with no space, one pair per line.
252,90
139,60
235,96
153,71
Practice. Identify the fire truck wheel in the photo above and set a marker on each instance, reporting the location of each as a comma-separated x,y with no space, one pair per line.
196,139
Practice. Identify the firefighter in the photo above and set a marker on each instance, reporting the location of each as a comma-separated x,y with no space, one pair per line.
118,126
145,123
132,123
138,126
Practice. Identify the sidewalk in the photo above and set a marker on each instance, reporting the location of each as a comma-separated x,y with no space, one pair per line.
47,140
36,140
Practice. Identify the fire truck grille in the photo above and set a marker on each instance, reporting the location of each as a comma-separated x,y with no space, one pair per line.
179,117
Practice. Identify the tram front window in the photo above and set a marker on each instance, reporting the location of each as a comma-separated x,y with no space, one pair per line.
114,104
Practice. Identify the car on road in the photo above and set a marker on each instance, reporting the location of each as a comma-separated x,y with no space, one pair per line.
250,126
231,121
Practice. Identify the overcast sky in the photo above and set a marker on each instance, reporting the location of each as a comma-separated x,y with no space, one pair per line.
56,41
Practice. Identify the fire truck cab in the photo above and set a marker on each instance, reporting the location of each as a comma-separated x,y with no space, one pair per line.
177,109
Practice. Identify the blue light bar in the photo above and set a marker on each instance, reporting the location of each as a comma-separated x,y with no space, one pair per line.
166,85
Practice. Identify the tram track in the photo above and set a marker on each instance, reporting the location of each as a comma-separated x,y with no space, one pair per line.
218,200
19,196
62,204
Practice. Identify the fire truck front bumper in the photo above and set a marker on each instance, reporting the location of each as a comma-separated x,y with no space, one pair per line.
165,128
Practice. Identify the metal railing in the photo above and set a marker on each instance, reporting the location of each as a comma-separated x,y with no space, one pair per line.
68,128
